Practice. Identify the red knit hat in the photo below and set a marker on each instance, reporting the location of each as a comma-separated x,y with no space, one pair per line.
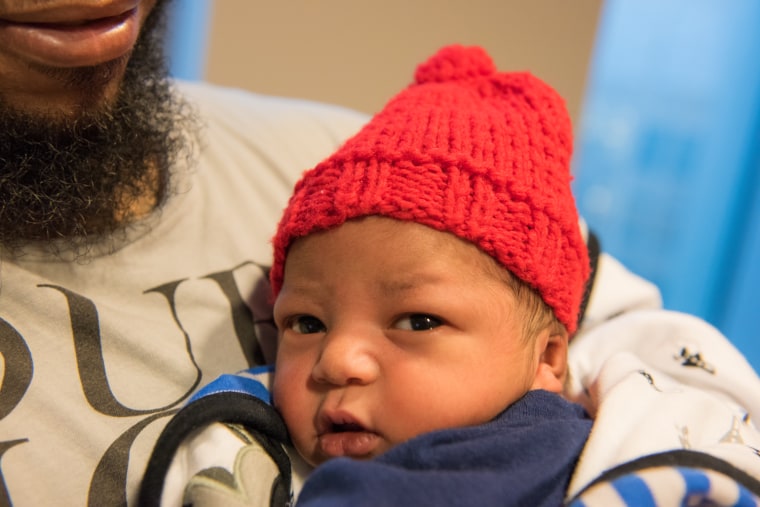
467,150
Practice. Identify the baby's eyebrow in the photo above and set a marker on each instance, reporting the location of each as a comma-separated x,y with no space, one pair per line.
408,284
301,289
393,286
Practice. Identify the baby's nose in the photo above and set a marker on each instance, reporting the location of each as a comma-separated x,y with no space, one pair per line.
346,358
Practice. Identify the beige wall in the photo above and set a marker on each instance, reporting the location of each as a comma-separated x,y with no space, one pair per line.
359,53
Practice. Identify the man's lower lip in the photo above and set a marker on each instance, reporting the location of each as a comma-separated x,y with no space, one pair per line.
72,45
349,443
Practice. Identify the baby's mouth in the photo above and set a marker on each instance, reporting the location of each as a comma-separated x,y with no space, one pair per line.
343,437
346,427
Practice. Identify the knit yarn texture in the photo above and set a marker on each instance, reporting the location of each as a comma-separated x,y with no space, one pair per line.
468,150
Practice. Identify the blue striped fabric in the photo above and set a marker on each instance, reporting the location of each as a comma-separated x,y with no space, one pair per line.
697,487
635,490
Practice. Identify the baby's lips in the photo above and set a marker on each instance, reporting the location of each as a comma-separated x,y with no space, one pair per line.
354,444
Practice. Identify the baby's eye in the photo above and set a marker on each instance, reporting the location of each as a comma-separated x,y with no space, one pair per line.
306,324
418,322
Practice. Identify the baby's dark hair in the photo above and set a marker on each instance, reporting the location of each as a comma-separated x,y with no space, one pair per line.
535,313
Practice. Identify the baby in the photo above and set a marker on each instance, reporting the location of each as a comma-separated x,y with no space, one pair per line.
428,276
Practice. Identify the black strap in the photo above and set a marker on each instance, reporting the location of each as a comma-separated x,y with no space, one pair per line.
227,407
594,250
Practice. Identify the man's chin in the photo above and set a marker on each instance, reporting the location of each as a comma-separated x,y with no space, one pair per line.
65,107
77,90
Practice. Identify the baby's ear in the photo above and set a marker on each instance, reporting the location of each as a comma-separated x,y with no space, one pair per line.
551,370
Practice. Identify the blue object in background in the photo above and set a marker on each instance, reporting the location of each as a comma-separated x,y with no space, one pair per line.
188,23
668,154
739,320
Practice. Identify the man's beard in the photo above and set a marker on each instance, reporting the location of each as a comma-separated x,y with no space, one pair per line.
67,184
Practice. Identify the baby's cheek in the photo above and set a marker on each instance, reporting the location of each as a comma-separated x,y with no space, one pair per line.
291,398
299,419
281,391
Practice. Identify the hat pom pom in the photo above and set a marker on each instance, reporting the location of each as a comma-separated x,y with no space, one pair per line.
453,63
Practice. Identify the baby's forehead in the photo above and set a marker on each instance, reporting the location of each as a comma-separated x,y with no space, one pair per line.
442,245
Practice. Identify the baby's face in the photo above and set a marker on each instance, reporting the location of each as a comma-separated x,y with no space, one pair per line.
391,329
